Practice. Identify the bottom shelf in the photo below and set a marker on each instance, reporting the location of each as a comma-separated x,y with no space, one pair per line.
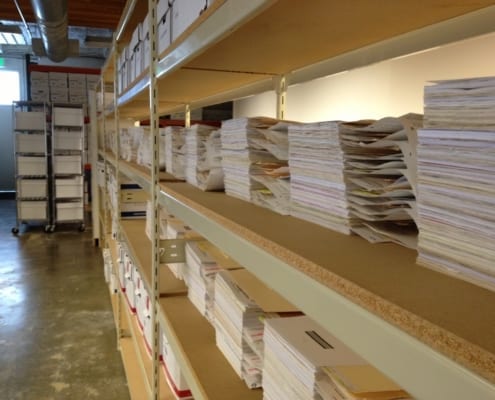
135,379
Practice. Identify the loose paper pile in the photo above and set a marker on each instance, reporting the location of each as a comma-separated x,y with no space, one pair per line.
204,261
380,177
456,180
175,141
136,146
242,303
234,313
254,161
304,361
317,186
203,157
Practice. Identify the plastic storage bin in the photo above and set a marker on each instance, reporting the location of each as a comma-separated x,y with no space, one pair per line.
72,211
29,121
31,210
34,166
67,165
30,143
31,188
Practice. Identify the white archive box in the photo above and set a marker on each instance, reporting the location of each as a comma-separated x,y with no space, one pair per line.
28,120
35,166
65,139
68,116
71,211
69,187
31,188
31,210
67,164
184,13
30,143
164,15
172,370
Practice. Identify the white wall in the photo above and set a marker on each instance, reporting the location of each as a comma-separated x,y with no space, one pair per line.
389,88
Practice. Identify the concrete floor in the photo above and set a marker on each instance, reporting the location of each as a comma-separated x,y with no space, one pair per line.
57,333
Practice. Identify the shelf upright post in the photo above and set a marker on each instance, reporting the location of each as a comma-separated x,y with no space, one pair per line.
155,191
93,154
120,331
187,116
280,83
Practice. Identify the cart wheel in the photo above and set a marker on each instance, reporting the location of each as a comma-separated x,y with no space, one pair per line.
82,228
15,230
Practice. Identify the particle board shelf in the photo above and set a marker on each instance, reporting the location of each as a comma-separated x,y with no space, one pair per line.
135,377
377,289
192,338
139,247
144,357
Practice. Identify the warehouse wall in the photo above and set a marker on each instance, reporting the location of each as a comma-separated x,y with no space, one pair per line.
7,168
389,88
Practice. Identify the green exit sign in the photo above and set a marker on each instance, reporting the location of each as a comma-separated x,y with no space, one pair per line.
2,62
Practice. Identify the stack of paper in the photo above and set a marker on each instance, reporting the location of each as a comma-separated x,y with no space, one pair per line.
463,104
380,177
235,312
302,359
175,141
129,143
203,158
317,186
242,302
456,184
204,261
254,161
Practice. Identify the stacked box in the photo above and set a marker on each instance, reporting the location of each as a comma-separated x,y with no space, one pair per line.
184,13
40,87
164,14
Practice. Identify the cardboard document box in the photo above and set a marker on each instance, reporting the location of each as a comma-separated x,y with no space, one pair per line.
34,188
34,166
32,210
68,116
164,14
67,165
28,120
72,211
172,371
69,187
184,13
65,139
30,143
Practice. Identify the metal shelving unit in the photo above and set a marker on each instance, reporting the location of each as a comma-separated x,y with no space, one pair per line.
32,138
402,325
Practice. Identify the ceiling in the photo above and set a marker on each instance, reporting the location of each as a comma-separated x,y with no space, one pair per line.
86,13
95,18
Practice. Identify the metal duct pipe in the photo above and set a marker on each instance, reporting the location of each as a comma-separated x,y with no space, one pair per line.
51,16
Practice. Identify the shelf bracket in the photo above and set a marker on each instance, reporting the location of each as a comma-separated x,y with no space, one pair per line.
172,251
280,83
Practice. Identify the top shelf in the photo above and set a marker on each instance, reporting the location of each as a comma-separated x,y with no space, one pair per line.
237,47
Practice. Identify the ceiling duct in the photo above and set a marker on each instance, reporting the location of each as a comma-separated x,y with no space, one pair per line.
51,16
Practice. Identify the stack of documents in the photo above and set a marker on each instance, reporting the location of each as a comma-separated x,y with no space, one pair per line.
255,161
380,177
235,312
204,261
175,143
456,181
461,104
203,157
129,143
302,360
242,302
317,185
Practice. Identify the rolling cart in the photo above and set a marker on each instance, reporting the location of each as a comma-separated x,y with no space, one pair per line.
67,165
31,155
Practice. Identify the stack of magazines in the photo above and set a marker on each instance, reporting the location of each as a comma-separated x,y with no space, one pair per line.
456,190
